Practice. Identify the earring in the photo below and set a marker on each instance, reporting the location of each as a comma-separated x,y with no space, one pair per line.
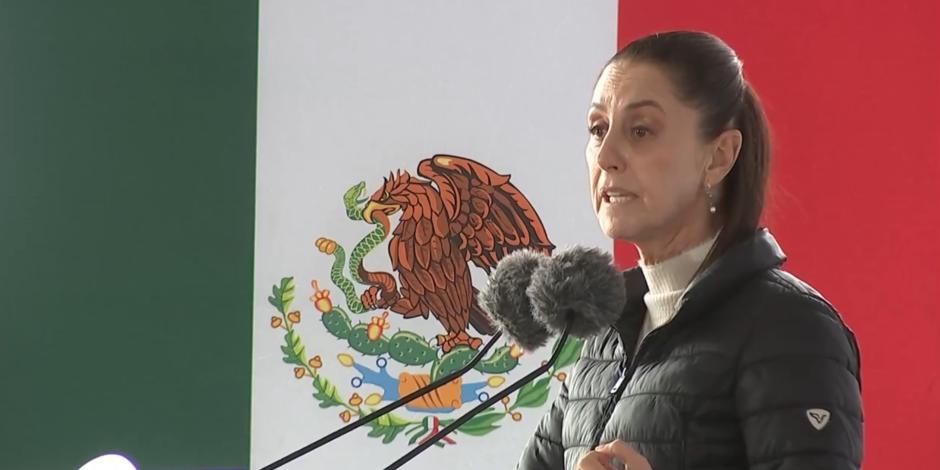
711,199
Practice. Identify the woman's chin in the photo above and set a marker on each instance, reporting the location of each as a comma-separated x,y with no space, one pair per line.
619,230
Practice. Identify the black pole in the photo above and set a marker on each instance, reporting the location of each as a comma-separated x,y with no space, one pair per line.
483,406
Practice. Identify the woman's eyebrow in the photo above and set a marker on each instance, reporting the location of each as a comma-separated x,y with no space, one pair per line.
631,106
642,103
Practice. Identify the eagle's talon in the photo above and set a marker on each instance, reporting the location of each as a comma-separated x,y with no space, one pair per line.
369,298
376,298
452,340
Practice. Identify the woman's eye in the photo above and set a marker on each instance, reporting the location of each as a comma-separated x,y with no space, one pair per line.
598,131
640,132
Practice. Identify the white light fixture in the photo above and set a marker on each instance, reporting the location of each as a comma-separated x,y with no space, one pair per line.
109,462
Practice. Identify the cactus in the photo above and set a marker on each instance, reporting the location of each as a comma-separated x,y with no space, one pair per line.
410,349
499,362
337,322
359,340
455,359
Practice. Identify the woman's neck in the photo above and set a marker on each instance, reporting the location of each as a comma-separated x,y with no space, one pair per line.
662,248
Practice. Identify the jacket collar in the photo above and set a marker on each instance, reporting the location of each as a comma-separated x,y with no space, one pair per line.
742,261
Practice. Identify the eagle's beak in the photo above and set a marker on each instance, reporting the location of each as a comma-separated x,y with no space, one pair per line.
377,206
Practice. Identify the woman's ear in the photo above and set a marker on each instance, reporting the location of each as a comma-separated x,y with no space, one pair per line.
725,149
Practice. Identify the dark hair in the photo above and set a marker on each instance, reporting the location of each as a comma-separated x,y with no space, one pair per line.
707,74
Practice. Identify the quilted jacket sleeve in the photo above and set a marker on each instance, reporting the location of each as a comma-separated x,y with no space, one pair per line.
544,450
798,391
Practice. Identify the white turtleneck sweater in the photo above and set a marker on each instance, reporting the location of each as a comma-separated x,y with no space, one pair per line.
667,281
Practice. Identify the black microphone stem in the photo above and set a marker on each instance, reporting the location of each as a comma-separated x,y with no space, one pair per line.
385,409
483,406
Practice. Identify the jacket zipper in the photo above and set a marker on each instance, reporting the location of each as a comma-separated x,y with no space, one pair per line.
625,374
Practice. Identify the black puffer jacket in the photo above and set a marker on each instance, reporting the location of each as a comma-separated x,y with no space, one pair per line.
756,371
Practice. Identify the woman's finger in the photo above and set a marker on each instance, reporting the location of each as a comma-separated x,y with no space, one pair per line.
595,460
625,453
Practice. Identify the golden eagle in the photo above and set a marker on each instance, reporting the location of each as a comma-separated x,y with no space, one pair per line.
474,215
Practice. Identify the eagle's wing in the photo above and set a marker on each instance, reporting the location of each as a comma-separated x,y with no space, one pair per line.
488,216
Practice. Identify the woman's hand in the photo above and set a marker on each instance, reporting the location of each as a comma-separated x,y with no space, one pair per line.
615,455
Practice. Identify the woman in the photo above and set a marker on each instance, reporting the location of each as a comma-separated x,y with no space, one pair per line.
720,359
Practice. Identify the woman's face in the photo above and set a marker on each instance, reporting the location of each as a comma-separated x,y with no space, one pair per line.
648,163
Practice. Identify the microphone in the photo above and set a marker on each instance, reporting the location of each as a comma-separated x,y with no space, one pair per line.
507,302
509,281
579,286
577,291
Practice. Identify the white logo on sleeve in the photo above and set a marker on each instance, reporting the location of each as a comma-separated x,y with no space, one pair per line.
818,418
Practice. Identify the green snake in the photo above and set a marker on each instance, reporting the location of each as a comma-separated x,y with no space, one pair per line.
352,201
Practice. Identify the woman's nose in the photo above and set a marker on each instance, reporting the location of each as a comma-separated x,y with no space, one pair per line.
608,158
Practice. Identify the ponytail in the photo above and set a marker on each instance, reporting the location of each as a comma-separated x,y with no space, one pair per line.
744,193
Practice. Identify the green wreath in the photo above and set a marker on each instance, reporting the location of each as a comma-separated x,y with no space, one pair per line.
408,348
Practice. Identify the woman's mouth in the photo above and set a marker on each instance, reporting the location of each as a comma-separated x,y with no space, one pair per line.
618,197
